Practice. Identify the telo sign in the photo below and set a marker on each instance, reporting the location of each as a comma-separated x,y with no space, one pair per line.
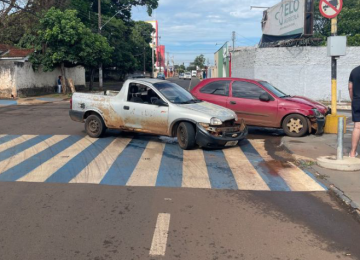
288,18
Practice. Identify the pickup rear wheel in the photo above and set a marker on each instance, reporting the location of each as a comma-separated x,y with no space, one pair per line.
186,135
295,125
94,126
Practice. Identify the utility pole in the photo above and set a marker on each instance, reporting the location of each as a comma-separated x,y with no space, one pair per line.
100,66
233,39
144,63
167,63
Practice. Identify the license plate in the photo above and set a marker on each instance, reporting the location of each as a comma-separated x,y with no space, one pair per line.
231,143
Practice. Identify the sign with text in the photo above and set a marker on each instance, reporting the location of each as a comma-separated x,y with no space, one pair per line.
285,18
330,8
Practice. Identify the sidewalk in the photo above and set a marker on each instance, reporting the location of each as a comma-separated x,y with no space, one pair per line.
346,185
34,100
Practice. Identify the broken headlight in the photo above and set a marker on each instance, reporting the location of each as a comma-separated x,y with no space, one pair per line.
215,121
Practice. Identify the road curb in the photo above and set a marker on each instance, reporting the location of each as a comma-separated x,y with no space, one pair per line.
340,195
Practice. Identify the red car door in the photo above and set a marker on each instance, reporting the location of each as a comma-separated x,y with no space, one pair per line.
216,92
245,101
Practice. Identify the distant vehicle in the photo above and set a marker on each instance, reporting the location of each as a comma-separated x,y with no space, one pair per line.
187,75
261,104
135,76
161,76
158,107
194,73
181,75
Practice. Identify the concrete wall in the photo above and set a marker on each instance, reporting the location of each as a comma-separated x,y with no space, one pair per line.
19,79
304,71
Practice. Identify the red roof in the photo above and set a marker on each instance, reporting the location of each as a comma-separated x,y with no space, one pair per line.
5,47
17,53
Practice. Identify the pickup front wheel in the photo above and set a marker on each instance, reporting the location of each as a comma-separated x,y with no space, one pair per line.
186,136
94,126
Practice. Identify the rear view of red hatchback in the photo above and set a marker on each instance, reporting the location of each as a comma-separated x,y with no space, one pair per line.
261,104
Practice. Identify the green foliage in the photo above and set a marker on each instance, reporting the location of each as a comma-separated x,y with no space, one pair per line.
64,39
348,22
200,61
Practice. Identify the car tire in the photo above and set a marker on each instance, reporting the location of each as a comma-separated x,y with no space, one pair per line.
94,126
186,135
295,125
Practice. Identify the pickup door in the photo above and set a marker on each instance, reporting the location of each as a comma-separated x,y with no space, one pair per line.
244,100
140,114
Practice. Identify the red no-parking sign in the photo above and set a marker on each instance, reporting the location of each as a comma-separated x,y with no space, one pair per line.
330,8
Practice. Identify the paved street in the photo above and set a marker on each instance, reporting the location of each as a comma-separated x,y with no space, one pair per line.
66,196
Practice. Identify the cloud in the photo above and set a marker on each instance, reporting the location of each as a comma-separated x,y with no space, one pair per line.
187,15
191,27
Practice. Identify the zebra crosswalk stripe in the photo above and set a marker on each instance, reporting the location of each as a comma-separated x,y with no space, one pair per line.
295,178
96,169
31,151
246,176
144,162
45,170
146,170
195,173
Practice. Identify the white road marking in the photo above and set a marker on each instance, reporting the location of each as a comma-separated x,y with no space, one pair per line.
147,169
16,141
159,241
195,174
45,170
95,171
246,176
295,178
31,151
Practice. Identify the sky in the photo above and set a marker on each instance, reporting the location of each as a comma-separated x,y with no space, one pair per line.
189,28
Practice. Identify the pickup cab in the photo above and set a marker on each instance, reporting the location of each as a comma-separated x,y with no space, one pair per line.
158,107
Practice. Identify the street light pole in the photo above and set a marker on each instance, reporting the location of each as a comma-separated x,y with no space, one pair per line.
100,66
99,30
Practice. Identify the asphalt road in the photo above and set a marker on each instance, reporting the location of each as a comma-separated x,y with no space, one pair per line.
87,221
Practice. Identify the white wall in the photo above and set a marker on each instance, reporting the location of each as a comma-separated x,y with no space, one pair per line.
20,79
7,81
304,71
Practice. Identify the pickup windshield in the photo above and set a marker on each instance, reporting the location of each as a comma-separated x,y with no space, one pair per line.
175,94
273,89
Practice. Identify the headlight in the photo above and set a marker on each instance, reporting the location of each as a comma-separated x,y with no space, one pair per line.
215,121
236,117
316,112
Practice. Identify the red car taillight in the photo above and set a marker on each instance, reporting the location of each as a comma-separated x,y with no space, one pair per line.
70,103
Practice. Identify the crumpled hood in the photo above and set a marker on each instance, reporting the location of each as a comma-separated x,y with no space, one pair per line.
211,110
307,101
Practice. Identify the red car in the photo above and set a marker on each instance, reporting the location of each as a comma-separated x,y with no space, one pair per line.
261,104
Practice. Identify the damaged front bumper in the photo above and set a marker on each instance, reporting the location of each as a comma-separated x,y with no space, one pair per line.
318,124
218,137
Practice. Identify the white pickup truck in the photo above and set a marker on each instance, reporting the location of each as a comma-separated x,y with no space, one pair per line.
158,107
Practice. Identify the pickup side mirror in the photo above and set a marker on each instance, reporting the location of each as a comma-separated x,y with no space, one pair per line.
159,102
265,97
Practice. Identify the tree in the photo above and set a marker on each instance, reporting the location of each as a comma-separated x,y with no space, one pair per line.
200,61
348,22
63,40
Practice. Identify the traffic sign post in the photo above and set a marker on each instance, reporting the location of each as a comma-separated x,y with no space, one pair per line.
331,9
